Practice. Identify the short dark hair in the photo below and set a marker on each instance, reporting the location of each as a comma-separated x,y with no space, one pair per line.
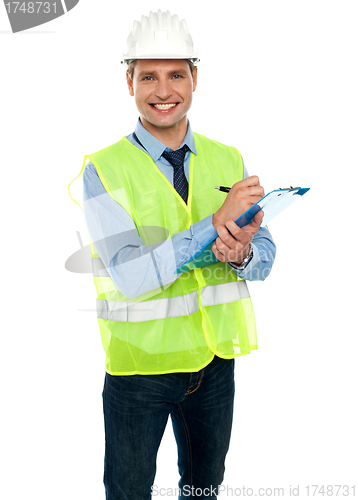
132,65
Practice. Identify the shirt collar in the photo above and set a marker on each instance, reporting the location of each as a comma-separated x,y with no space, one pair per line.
156,148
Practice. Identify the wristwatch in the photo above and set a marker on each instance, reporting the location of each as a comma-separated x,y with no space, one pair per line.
244,263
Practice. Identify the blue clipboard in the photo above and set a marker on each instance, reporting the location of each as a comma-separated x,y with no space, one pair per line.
272,204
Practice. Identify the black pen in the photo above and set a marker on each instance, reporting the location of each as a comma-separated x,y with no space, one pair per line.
223,188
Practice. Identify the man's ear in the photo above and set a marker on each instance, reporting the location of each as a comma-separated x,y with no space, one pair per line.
130,85
195,78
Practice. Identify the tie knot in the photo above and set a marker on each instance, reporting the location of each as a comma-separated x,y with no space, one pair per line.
176,158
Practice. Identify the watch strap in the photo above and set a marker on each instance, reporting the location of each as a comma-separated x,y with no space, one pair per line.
244,263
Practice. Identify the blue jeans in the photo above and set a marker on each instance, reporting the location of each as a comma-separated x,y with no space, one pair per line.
136,410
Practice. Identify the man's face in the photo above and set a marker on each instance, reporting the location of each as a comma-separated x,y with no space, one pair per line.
163,90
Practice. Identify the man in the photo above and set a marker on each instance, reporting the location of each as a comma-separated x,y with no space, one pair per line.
170,338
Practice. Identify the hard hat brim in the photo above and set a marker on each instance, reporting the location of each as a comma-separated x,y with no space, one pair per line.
194,60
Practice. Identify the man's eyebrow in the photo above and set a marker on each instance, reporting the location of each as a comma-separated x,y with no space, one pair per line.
177,71
146,73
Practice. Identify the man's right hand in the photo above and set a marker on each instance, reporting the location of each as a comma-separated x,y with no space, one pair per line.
241,197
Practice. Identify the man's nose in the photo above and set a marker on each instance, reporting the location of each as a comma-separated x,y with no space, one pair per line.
163,90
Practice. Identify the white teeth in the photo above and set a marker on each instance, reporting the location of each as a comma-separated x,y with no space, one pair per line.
164,106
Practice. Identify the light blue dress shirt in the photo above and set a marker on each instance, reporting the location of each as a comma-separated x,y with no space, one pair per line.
140,270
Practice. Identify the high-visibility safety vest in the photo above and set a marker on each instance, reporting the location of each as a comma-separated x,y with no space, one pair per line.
206,311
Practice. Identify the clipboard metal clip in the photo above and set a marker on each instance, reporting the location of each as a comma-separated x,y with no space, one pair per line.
285,189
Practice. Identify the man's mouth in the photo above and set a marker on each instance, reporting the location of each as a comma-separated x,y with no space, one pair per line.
164,107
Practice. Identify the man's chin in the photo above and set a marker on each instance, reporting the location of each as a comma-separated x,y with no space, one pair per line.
161,124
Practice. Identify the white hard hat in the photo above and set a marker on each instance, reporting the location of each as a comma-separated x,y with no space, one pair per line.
160,36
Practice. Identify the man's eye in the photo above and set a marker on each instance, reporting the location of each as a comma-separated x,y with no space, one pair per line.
176,77
147,78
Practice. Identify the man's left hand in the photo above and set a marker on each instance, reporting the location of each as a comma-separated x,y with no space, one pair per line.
235,248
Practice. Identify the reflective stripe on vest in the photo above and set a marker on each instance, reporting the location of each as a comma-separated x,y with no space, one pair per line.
172,307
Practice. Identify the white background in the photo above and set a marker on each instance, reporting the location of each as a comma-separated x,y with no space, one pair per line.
277,79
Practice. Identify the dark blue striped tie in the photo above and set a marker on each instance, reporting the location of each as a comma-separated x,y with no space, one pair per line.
176,159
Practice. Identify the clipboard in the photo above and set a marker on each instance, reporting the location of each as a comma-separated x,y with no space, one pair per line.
272,204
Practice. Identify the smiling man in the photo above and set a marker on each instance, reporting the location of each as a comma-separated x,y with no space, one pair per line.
163,92
170,338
